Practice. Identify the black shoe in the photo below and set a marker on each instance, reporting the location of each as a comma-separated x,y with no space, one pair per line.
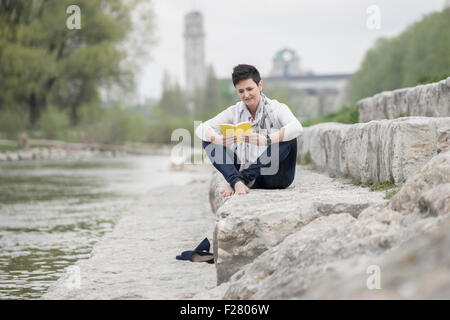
199,254
196,256
203,246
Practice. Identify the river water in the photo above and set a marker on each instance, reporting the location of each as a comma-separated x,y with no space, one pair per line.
53,212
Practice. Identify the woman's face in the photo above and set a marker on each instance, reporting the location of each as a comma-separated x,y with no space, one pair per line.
249,92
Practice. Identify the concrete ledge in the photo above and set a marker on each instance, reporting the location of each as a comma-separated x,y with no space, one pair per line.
375,150
430,100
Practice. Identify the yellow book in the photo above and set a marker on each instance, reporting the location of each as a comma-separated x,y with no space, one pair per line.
236,130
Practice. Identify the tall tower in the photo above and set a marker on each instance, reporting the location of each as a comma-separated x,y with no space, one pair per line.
194,55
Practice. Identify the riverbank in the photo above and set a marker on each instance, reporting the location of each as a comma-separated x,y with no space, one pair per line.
137,259
57,150
325,238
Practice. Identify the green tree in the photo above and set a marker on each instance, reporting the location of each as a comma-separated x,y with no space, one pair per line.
208,97
43,63
173,98
53,123
419,54
227,93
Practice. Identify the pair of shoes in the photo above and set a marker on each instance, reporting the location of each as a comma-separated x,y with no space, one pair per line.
199,254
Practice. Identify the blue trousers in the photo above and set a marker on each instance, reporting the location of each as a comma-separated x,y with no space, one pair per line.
257,172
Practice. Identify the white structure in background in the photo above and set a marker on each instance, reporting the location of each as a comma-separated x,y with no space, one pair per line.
286,63
194,55
314,95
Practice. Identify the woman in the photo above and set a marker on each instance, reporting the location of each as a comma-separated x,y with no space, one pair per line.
267,157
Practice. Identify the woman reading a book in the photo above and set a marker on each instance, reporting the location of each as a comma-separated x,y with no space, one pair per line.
253,143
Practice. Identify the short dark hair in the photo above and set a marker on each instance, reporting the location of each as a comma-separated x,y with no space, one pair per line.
244,72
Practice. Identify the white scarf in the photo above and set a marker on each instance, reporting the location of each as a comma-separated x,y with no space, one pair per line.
263,123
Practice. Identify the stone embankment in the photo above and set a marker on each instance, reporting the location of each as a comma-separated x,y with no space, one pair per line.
58,150
325,237
374,151
55,154
429,100
288,248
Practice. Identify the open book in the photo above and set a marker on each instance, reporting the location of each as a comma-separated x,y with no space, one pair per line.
236,129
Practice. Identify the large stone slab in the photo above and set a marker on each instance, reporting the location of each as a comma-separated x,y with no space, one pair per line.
337,249
374,151
417,269
247,225
310,262
430,100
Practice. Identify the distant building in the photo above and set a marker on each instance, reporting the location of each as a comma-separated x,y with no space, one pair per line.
194,55
309,95
313,95
286,63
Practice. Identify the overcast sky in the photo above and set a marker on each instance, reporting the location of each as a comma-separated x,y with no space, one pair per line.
330,36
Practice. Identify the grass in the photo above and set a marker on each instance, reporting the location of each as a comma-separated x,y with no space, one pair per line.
304,160
379,186
432,79
383,185
348,114
390,194
5,148
356,181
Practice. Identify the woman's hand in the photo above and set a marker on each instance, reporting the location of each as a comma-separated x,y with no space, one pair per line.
255,138
223,140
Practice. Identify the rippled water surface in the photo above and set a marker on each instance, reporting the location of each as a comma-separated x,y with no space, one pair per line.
53,212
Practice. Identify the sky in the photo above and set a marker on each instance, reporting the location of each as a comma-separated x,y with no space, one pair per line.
329,36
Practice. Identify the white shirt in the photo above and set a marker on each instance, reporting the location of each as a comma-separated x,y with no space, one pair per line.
270,117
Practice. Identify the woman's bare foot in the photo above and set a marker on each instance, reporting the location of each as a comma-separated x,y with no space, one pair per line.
240,188
227,191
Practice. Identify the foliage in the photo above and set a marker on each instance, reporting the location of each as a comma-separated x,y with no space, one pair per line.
213,97
173,98
390,194
172,111
44,63
12,123
420,54
53,123
383,185
162,125
348,114
6,148
117,125
306,159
